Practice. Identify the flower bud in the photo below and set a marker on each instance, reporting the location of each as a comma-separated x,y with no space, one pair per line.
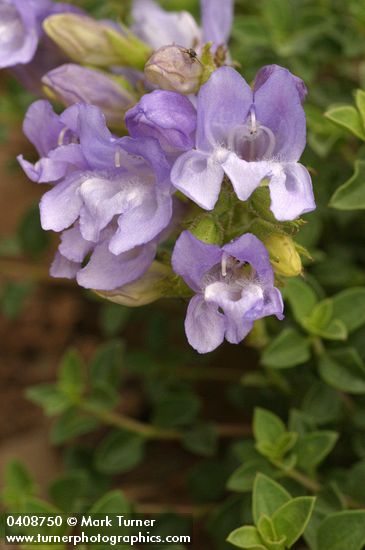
154,284
166,116
176,69
99,43
284,256
205,229
73,83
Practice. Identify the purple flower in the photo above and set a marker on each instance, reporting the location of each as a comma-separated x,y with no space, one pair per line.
251,136
116,190
72,83
103,270
167,116
21,28
158,27
234,286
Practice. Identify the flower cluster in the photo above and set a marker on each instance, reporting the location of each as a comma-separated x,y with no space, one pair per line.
173,167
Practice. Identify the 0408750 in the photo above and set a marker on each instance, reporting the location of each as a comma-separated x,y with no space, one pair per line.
22,520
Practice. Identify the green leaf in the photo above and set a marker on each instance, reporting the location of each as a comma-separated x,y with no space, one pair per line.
322,322
267,497
246,537
291,519
349,307
347,117
344,530
119,452
72,424
13,298
201,439
106,365
67,490
18,484
113,502
242,479
344,370
287,350
49,397
301,297
33,505
267,427
176,408
280,447
322,404
71,376
102,397
114,318
351,195
266,531
312,449
360,104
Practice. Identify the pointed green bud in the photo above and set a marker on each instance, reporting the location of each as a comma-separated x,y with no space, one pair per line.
283,254
176,69
154,284
98,43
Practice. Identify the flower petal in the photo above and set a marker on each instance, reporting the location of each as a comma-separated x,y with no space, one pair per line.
42,127
200,179
105,271
73,246
204,325
291,192
192,258
166,116
217,19
63,268
61,205
158,27
278,107
223,103
142,224
245,176
248,248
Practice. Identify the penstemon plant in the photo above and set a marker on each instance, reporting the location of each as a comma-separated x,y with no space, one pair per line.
172,176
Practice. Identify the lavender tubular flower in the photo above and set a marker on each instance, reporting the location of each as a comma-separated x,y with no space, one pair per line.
234,286
72,83
249,135
166,116
116,191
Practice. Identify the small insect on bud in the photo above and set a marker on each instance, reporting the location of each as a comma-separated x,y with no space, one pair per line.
284,256
176,69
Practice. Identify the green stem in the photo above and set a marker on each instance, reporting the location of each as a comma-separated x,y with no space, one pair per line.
315,487
153,432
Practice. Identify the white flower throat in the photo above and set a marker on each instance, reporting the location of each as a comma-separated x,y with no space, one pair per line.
252,141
